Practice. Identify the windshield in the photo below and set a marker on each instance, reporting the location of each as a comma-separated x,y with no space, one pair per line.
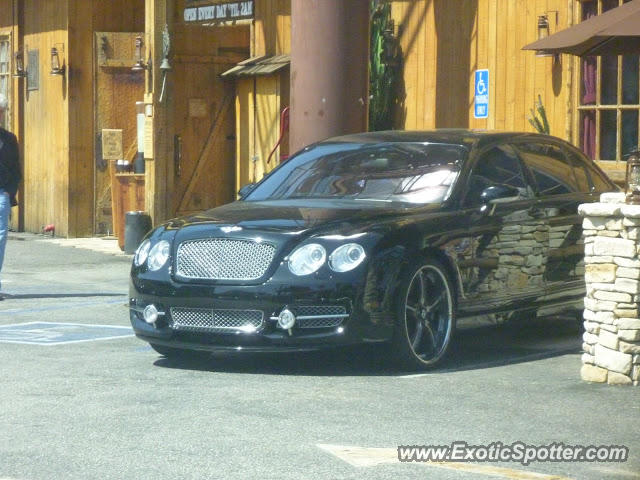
389,172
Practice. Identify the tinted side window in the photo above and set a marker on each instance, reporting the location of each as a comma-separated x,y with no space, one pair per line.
582,176
551,169
600,184
498,166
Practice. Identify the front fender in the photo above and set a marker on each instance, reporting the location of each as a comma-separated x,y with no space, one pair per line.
383,280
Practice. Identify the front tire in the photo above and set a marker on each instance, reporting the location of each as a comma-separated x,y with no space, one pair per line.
425,316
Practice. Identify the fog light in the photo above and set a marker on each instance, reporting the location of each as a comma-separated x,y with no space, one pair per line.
150,314
286,319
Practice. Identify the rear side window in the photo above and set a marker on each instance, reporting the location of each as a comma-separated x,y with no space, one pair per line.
550,167
600,184
582,176
590,179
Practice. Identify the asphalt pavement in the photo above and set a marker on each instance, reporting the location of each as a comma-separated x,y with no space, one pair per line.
82,398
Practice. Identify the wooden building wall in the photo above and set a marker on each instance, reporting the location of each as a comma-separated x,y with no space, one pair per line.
46,119
10,15
260,100
55,124
445,41
272,27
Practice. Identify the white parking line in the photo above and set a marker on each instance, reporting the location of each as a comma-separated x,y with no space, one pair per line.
371,457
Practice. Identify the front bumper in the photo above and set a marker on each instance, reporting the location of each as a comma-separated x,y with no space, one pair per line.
351,320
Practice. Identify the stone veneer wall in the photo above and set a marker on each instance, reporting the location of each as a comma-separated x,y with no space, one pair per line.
611,345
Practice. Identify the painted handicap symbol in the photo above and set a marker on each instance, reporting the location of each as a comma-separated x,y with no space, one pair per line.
481,87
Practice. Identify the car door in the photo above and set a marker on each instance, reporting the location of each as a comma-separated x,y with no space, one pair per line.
560,192
506,240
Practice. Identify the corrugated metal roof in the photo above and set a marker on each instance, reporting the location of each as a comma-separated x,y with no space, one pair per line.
262,65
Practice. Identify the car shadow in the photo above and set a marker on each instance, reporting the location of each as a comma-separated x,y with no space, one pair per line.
480,348
516,342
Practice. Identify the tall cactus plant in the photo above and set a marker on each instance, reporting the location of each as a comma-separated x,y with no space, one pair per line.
383,71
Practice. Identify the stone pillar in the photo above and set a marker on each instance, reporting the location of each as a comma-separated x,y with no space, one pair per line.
611,230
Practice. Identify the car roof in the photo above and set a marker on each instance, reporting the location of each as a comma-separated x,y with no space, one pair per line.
446,135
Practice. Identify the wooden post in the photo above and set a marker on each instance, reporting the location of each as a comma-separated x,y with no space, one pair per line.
158,169
19,85
79,90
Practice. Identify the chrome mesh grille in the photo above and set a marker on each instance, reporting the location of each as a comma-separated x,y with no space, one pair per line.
327,316
216,320
224,259
313,310
319,322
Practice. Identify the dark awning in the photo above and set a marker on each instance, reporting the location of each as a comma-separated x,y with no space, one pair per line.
263,65
616,31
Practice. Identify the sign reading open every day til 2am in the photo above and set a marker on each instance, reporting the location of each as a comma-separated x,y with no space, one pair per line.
219,12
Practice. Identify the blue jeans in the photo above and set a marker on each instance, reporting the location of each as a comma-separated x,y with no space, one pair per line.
5,210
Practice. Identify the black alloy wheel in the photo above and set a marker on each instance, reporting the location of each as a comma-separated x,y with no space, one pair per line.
425,316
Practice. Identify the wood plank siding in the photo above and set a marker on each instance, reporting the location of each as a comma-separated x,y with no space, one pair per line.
261,99
443,42
272,27
56,115
46,136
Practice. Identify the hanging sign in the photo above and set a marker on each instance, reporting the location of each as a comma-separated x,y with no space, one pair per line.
219,12
112,144
481,100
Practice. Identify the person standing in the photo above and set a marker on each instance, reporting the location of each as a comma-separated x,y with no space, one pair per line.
9,178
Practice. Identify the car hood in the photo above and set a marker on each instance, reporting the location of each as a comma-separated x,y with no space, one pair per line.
298,216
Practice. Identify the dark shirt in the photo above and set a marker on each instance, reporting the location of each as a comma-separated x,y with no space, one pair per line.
9,163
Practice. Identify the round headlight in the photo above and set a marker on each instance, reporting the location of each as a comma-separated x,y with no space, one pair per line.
307,259
142,253
346,257
158,255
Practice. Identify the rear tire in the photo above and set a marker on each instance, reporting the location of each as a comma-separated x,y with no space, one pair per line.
425,316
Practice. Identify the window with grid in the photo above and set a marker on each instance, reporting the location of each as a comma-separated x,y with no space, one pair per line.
5,76
609,97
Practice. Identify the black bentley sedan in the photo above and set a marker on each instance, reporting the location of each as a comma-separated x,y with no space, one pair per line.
397,237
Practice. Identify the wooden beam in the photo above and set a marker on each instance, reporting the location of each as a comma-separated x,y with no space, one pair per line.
208,59
79,78
159,175
17,103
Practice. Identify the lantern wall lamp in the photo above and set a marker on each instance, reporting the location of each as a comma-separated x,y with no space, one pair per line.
58,66
139,55
632,178
20,71
544,30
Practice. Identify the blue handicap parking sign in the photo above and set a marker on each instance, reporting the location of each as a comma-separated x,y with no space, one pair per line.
481,97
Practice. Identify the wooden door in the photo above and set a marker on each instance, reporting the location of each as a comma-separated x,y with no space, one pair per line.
117,89
204,115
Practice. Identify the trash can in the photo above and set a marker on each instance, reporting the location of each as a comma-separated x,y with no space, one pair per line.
136,226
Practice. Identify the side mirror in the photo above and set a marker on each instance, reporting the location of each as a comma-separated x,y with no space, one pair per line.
246,190
497,193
